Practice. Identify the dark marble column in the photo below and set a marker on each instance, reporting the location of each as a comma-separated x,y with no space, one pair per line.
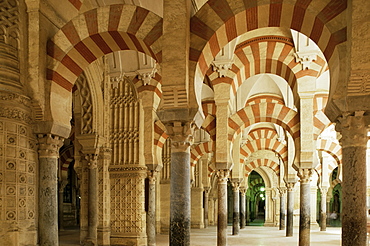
92,237
304,206
236,216
290,208
180,134
242,208
222,207
353,142
150,216
48,188
206,197
323,209
282,191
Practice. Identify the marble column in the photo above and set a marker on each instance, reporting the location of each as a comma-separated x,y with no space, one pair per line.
206,197
242,208
236,215
282,191
290,209
92,236
222,207
215,211
48,188
304,206
151,215
179,183
61,185
324,190
353,142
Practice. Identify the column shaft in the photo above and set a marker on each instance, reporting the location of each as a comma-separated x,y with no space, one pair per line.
180,198
48,193
304,207
93,203
282,211
290,208
242,209
236,210
222,208
206,196
323,210
353,141
150,217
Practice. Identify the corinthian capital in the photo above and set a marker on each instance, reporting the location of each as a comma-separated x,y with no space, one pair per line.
49,145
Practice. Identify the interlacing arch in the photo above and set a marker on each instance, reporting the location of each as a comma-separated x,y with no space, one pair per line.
274,166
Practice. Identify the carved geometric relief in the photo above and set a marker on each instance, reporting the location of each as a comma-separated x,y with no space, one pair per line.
359,83
86,104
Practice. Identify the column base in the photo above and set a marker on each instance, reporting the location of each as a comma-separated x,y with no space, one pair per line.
127,239
104,236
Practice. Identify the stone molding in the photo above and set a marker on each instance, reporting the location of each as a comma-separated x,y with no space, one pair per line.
359,82
49,145
146,75
305,58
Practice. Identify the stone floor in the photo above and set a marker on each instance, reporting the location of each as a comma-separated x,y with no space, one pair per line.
251,235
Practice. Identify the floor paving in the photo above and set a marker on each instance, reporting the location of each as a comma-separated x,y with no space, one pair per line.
251,235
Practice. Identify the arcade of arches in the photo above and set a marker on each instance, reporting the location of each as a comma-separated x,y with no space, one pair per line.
128,118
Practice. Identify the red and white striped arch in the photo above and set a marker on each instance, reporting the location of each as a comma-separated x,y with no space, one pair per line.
268,54
266,112
262,162
256,182
219,22
66,156
91,35
321,121
331,167
265,98
98,32
264,144
262,132
160,135
209,125
201,149
332,148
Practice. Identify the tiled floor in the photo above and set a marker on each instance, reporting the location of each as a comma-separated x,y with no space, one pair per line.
251,235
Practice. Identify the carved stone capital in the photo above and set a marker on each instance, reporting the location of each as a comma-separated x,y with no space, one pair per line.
282,190
223,175
222,66
353,129
49,145
92,160
324,191
243,190
152,176
290,186
305,58
236,186
146,75
304,175
181,134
